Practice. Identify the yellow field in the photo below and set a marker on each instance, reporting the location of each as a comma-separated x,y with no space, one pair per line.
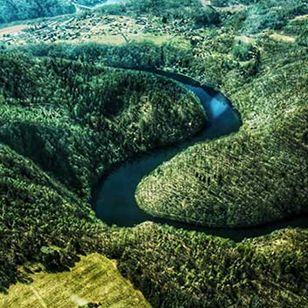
119,39
94,279
282,38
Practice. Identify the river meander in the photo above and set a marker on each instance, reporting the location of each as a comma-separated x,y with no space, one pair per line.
114,201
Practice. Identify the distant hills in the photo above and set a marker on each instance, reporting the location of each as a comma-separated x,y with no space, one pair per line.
11,10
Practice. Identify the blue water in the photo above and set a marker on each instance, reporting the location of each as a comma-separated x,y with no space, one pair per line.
215,106
114,201
222,118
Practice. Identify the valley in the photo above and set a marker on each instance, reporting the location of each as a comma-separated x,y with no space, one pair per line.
132,94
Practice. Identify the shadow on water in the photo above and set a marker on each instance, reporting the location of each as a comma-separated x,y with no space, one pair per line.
115,203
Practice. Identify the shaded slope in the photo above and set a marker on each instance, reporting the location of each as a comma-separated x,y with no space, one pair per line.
77,120
65,125
36,212
12,10
176,268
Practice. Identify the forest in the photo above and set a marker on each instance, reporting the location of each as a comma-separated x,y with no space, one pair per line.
13,10
71,113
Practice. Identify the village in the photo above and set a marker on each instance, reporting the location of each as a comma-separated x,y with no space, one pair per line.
91,26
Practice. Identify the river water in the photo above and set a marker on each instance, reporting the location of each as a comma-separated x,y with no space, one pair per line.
114,201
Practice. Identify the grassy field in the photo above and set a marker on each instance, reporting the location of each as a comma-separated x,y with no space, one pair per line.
120,40
93,280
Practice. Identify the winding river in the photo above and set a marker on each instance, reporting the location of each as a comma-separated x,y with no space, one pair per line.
114,201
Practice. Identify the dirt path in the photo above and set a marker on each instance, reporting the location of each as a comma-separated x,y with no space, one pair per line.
12,29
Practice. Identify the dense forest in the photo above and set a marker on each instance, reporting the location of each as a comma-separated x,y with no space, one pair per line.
263,167
70,113
12,10
167,10
258,15
70,108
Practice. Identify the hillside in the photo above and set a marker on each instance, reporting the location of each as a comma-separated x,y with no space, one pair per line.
256,176
73,108
87,118
13,10
63,135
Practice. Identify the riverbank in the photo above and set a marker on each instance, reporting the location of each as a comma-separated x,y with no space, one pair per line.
248,178
114,200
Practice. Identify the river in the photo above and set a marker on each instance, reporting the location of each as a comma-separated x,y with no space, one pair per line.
114,201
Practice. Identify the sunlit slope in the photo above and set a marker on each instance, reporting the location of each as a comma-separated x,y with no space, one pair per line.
255,176
93,280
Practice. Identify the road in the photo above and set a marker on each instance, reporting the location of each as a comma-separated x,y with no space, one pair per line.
12,29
